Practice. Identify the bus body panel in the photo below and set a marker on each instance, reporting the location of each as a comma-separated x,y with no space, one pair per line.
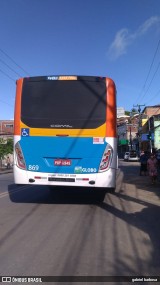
101,180
62,154
82,171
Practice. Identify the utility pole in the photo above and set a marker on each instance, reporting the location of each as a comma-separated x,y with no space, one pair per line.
139,123
150,138
139,107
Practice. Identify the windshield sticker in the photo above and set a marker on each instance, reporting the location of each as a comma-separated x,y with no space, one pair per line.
98,140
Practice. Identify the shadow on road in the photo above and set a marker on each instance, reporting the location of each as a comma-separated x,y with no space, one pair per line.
134,203
147,220
136,192
55,195
131,177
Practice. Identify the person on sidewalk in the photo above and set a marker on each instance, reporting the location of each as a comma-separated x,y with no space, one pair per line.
143,161
8,163
158,164
152,168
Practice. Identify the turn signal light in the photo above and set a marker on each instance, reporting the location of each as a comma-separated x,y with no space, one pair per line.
106,159
19,155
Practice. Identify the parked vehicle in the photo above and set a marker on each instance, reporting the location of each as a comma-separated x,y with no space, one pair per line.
131,156
126,155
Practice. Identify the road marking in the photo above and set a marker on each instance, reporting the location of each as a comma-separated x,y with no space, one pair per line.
4,194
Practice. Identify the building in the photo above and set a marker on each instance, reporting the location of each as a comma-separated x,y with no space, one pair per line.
134,131
151,110
120,112
127,129
6,130
150,126
6,127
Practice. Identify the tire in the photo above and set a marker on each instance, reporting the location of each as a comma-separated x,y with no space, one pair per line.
100,194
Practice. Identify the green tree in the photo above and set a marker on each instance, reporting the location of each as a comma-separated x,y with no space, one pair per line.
127,113
6,148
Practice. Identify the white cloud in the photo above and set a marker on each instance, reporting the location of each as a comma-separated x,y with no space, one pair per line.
124,38
147,25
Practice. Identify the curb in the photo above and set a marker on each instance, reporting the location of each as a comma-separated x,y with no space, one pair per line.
6,171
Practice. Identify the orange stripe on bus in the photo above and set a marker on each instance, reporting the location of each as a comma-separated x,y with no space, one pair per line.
111,109
17,112
98,132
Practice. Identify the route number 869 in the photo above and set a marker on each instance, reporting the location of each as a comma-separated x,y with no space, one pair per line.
33,167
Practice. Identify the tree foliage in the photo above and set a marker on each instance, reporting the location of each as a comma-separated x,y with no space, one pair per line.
127,113
6,148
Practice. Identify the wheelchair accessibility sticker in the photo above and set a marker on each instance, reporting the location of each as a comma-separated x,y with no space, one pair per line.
25,132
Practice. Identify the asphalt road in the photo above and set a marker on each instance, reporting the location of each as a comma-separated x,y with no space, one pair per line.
71,232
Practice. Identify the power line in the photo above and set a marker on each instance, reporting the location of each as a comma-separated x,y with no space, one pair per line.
14,62
139,107
144,85
153,97
151,80
152,64
6,103
7,75
10,68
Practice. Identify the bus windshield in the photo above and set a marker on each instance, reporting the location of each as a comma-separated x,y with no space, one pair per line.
75,104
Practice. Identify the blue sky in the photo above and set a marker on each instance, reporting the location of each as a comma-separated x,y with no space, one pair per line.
115,38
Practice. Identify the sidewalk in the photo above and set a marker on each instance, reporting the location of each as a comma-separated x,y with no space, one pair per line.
4,170
131,184
142,188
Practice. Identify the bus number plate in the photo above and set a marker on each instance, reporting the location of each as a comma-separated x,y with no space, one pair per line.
62,162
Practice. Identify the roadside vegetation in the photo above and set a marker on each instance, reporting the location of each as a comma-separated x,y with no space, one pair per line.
6,149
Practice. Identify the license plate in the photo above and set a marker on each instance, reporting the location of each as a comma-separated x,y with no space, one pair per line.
62,162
